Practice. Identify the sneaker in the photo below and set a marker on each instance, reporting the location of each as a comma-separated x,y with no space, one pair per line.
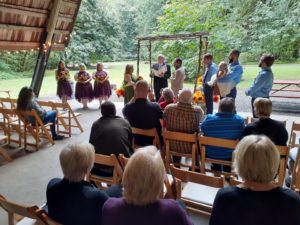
58,137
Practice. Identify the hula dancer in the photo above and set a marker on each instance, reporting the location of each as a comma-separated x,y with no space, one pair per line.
84,89
102,89
64,88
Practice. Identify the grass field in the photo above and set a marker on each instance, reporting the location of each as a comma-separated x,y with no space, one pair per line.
116,70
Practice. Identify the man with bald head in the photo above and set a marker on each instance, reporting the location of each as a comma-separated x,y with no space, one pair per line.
142,113
183,117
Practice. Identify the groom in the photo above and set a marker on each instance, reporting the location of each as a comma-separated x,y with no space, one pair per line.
161,72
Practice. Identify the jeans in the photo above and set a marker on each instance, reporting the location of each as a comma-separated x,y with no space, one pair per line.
50,117
208,94
252,106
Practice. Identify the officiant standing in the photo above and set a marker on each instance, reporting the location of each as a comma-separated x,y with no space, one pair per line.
161,72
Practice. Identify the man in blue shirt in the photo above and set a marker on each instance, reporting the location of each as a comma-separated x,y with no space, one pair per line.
224,124
211,69
235,72
263,82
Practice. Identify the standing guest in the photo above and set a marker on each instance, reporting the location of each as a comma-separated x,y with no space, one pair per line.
263,82
273,129
64,88
161,72
224,124
143,181
183,117
142,113
102,89
26,101
258,200
168,98
110,134
210,70
84,89
129,83
72,200
234,74
178,76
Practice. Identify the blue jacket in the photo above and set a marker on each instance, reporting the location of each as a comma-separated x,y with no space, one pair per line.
211,69
222,125
262,84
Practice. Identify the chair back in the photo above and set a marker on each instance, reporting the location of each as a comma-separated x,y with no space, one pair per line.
191,139
295,128
24,211
205,185
215,142
148,133
284,153
106,160
8,103
296,174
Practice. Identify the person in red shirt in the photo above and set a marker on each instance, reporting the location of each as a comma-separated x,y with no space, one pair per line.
168,97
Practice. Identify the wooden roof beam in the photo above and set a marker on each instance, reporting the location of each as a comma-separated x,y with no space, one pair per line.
69,4
53,20
22,10
31,29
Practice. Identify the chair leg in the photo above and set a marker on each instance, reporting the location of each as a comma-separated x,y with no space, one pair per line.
5,155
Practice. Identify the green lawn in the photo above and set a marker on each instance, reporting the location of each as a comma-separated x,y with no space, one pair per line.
116,71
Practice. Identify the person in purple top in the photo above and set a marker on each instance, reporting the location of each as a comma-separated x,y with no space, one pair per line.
143,181
102,89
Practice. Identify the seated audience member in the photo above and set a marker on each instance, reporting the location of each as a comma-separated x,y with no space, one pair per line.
168,98
110,134
143,181
142,113
258,200
72,200
26,101
183,117
224,124
273,129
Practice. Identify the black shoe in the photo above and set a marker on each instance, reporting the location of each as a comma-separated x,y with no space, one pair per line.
58,137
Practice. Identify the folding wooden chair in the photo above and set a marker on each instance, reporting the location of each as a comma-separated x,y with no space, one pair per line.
191,139
295,185
37,130
25,215
12,125
66,118
284,152
8,103
294,130
215,142
252,120
3,152
102,181
246,120
199,190
167,192
148,133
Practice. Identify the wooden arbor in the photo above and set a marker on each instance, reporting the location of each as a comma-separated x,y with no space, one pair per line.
202,37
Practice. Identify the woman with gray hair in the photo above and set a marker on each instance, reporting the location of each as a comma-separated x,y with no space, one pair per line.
258,200
72,200
143,181
168,97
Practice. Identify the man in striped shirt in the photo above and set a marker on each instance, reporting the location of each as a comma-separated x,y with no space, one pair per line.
224,124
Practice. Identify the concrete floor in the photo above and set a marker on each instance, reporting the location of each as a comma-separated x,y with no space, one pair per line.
24,180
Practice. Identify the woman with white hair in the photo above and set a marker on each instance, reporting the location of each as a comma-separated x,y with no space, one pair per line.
143,181
72,200
258,200
168,97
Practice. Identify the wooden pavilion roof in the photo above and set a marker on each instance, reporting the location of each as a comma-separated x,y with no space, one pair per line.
184,36
28,24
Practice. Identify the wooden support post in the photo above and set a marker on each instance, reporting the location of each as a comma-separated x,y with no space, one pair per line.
45,49
150,62
199,63
138,58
